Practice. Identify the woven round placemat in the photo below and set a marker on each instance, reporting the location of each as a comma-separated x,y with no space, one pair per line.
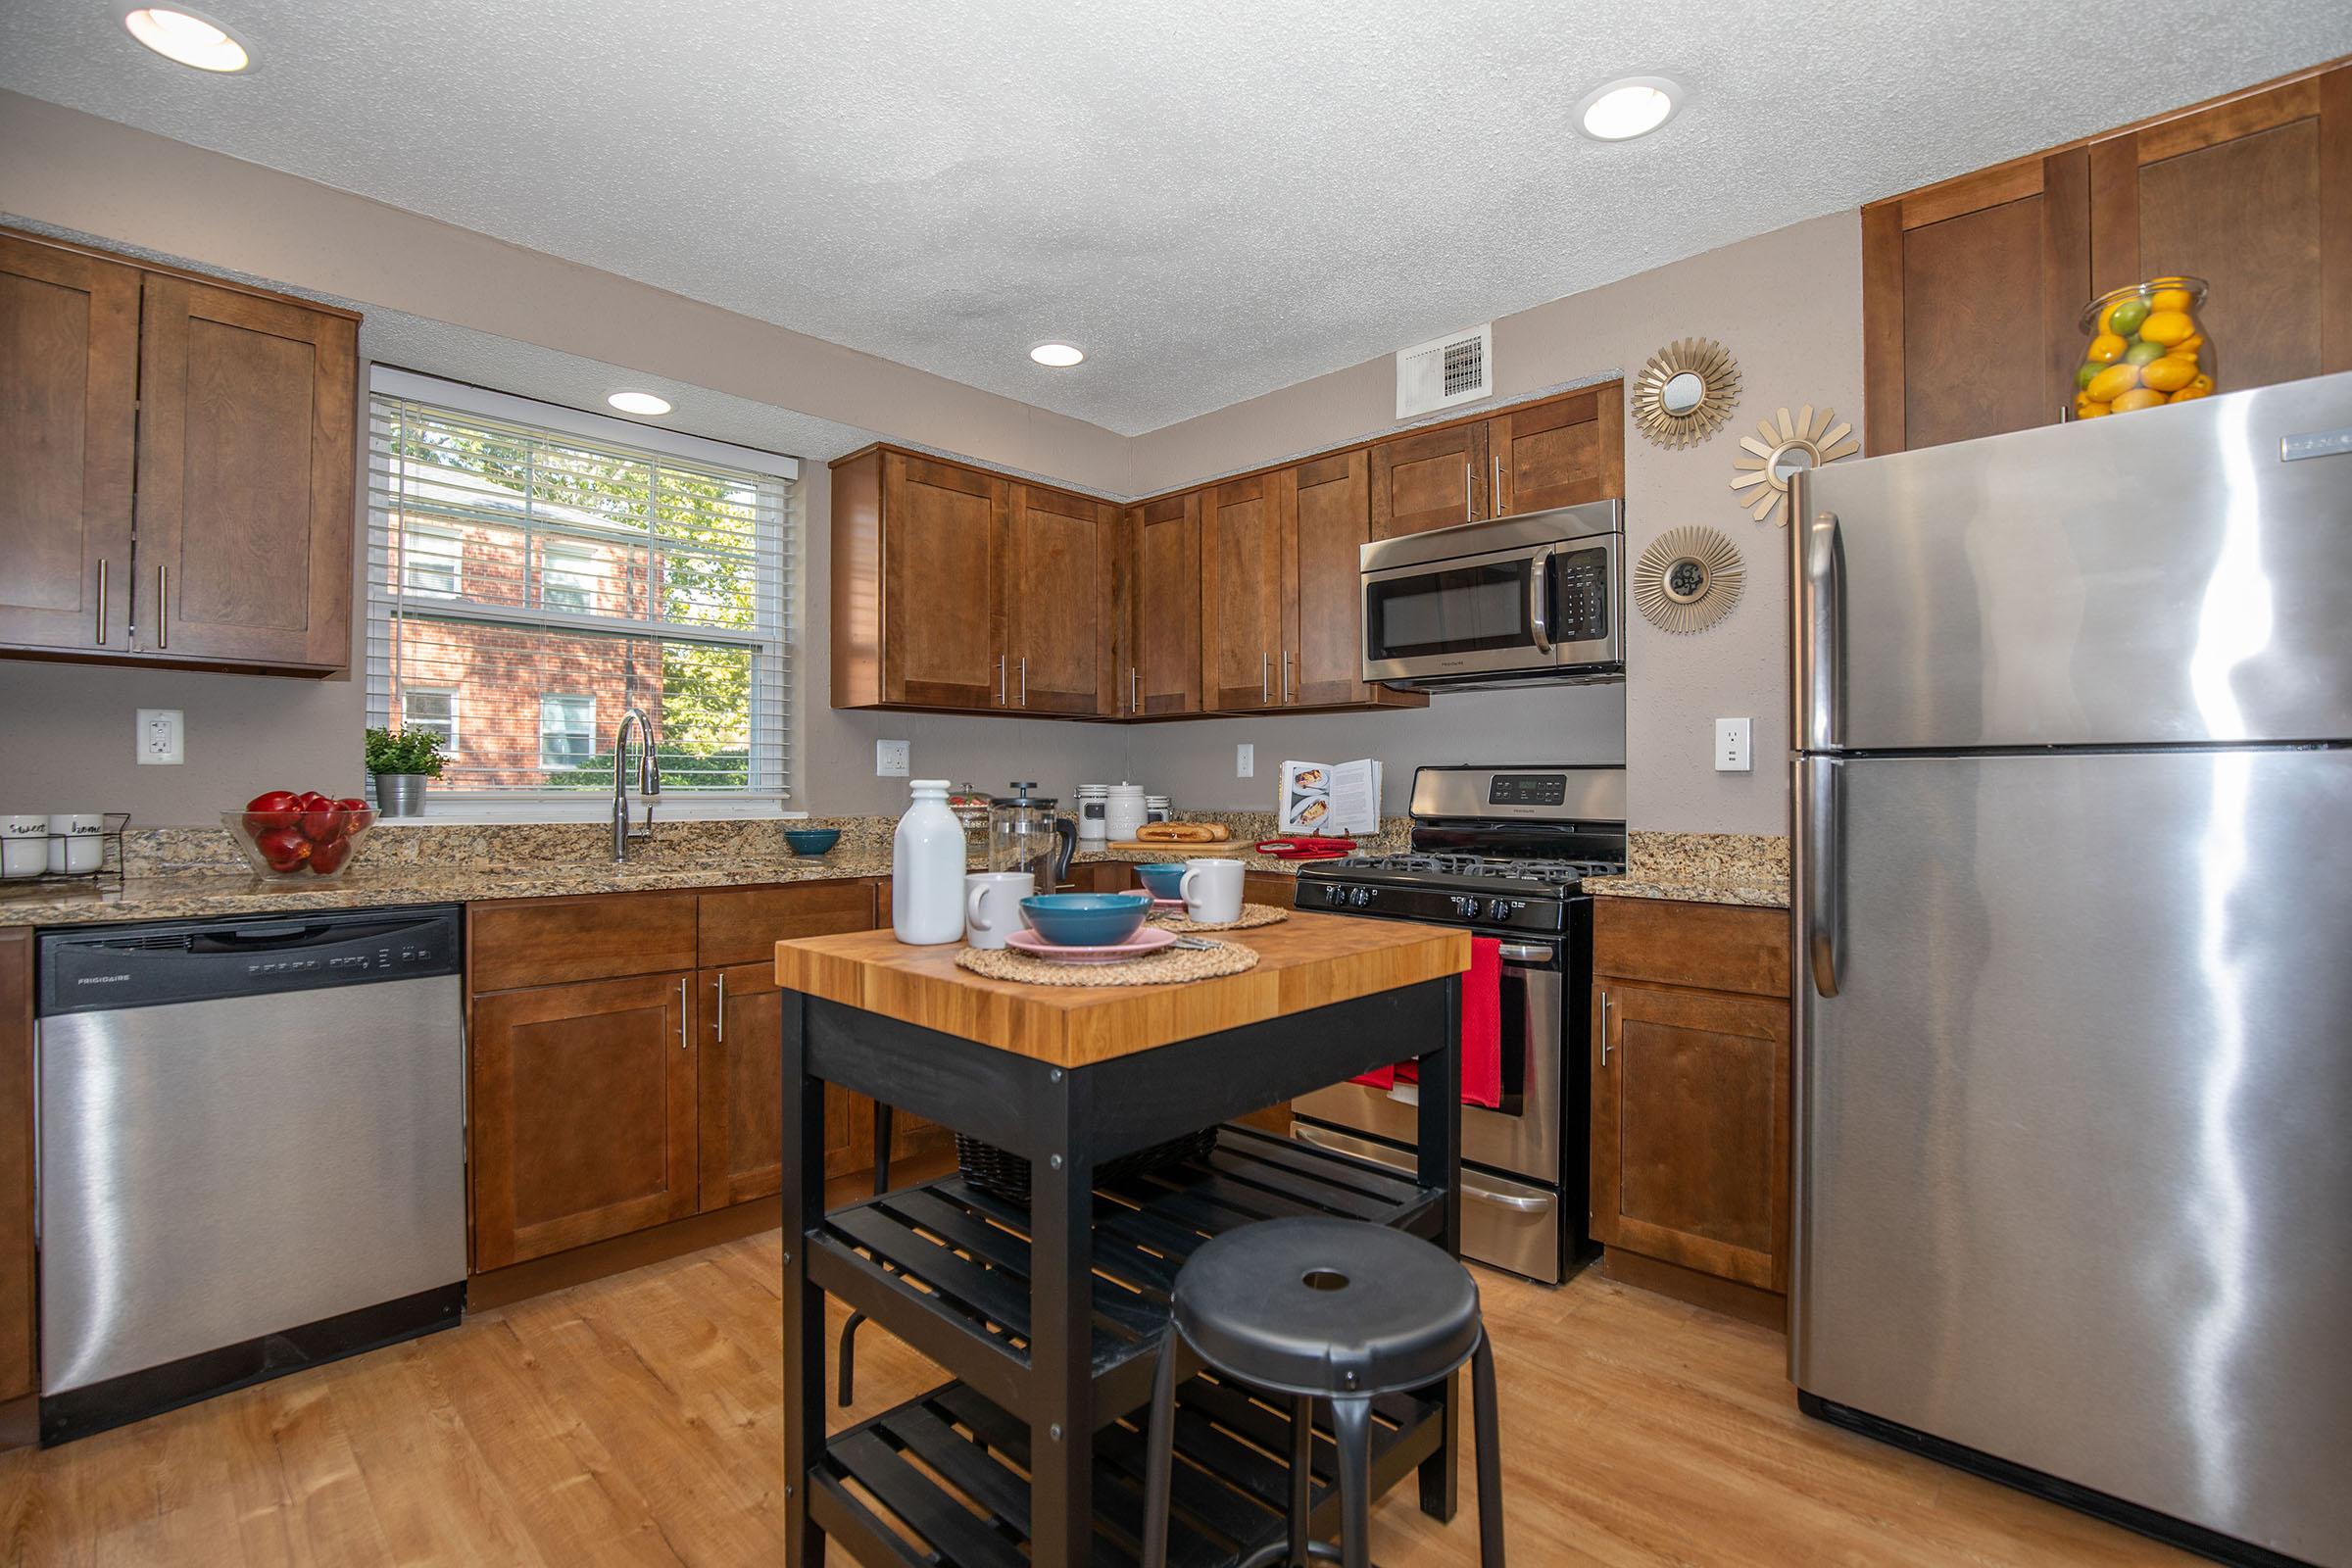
1252,914
1167,967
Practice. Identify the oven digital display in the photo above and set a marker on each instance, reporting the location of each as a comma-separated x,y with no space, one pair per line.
1527,789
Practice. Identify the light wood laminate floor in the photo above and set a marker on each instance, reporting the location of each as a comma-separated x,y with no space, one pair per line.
636,1420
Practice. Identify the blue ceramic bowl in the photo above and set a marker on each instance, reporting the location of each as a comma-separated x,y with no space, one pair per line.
811,840
1164,878
1085,919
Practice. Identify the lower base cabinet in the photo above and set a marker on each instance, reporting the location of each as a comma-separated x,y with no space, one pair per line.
1691,1097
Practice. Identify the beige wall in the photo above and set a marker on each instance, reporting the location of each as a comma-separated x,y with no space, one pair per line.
1789,306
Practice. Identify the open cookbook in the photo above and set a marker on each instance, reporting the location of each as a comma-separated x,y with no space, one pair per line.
1330,797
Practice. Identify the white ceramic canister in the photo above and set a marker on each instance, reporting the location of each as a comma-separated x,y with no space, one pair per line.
1094,808
1124,813
926,869
24,846
1155,808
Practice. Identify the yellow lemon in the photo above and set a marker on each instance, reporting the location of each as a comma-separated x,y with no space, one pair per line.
2112,382
2139,397
2203,383
2167,327
2105,349
2189,344
2192,390
2169,299
2170,374
2092,410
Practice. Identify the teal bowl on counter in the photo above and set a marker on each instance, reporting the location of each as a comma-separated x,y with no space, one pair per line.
1164,878
811,840
1085,919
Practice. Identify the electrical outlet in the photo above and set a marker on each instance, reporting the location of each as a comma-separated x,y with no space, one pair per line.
890,758
1245,759
1732,752
161,736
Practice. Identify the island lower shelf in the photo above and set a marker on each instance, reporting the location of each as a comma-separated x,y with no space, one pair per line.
945,1265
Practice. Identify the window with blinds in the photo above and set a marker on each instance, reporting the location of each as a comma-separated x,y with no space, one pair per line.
529,585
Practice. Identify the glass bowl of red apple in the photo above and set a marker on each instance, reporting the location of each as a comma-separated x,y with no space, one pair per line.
290,835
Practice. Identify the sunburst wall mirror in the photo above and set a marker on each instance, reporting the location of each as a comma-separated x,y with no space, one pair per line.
1787,449
1686,392
1686,579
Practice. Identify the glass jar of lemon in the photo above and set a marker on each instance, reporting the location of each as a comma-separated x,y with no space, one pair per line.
2148,346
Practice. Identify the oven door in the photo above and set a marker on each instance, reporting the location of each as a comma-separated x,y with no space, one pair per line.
1521,1138
1527,610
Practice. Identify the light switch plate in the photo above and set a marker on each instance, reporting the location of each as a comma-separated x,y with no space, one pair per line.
890,759
160,738
1733,753
1245,759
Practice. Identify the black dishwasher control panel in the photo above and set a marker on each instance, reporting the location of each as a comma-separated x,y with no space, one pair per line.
100,968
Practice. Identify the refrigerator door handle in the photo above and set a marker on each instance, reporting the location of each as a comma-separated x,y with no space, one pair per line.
1820,650
1820,821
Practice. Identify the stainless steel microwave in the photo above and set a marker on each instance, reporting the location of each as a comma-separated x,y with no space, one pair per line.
1535,597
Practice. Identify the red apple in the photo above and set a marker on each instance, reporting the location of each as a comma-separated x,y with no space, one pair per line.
284,848
327,858
350,805
275,800
313,801
322,824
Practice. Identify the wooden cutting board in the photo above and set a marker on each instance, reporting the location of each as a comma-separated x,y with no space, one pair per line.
1228,848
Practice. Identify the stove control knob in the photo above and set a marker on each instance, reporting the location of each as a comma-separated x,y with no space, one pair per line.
1498,909
1466,908
1360,897
1335,895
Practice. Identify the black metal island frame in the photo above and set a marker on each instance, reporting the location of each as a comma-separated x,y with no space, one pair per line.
1048,1314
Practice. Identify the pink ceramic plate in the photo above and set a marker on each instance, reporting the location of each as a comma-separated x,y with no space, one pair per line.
1164,905
1146,939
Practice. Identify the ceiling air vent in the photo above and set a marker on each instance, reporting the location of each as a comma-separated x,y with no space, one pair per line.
1458,368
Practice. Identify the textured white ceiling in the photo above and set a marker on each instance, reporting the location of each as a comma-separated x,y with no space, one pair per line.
1212,199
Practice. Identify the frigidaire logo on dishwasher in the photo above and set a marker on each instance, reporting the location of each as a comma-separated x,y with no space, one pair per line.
100,979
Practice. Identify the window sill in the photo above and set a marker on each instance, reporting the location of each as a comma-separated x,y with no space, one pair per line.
460,812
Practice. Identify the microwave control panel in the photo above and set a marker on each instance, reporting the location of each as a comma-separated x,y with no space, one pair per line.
1580,596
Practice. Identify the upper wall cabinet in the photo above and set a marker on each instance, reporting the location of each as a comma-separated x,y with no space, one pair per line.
1061,609
1973,289
245,409
1163,673
1562,452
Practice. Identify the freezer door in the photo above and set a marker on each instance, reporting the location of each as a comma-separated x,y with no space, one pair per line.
2176,574
2075,1132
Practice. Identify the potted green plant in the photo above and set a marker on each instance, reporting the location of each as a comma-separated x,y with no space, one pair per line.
401,764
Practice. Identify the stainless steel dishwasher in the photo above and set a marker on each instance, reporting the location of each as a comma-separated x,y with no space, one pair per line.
252,1151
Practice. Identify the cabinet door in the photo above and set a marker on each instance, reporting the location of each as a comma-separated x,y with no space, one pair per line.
1971,291
943,528
739,1022
2254,195
1560,452
1241,595
584,1115
1691,1129
1060,576
69,380
1165,677
247,410
1326,520
1430,480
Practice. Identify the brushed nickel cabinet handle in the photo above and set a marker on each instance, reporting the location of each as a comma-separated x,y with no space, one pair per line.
683,1043
1469,513
162,606
999,680
1494,496
1604,1028
101,602
1285,675
1135,690
1265,676
719,1025
1024,680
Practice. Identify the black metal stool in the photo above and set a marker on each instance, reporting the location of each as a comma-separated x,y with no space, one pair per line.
849,1330
1330,1309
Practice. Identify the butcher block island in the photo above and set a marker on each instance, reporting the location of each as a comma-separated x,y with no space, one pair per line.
1046,1308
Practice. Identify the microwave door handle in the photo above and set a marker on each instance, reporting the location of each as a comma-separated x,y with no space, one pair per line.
1539,598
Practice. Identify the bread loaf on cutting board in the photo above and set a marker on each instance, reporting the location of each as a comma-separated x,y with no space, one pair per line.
1183,833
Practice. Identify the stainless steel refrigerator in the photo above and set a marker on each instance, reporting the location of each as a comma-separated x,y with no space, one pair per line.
2071,739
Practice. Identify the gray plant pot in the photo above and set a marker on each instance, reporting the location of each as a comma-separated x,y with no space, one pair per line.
400,794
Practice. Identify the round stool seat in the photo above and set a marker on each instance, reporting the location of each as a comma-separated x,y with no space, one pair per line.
1327,1307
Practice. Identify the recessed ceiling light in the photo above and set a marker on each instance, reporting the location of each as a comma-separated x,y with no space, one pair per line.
1630,107
639,403
187,37
1061,356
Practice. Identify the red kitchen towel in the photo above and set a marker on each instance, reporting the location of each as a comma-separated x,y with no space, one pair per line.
1482,1031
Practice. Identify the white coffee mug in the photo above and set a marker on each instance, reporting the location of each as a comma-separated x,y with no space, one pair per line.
1211,891
992,905
24,846
74,843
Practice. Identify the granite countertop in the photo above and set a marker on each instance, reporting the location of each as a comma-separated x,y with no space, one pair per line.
187,873
1743,868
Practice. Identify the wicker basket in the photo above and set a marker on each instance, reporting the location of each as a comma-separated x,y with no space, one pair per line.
993,1170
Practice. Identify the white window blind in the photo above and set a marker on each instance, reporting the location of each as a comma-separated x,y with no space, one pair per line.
540,582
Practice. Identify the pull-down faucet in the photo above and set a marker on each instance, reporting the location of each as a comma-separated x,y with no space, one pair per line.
648,780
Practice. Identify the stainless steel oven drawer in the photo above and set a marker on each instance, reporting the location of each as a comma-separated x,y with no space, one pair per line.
1506,1224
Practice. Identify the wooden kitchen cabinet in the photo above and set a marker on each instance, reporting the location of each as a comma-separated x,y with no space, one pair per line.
917,582
1973,289
1691,1101
1431,478
237,553
1164,606
1241,595
1061,588
20,1345
69,378
583,1114
1562,451
1322,513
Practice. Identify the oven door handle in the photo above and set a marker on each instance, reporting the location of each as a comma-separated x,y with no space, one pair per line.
1525,953
1471,1186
